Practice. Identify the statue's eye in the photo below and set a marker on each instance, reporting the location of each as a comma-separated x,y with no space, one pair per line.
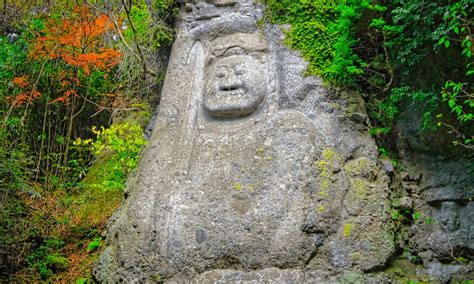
240,69
221,72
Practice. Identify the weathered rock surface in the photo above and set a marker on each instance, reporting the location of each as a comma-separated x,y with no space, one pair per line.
439,182
252,172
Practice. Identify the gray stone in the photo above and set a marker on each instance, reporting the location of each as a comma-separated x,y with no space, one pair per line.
224,2
441,182
387,166
243,179
438,271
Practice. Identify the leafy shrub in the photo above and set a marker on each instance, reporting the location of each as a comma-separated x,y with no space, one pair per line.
310,31
94,245
119,146
45,260
399,52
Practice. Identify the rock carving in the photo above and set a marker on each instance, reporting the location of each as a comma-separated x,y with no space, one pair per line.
238,183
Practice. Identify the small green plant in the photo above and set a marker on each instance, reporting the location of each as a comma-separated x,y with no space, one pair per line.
94,245
83,281
416,216
408,254
46,260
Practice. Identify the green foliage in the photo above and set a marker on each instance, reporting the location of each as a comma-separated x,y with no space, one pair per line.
148,31
46,261
54,196
310,31
144,30
12,61
401,53
94,245
121,145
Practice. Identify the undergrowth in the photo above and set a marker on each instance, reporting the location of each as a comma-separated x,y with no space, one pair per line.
62,233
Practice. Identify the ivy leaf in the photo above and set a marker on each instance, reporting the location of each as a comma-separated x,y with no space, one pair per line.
442,40
416,216
451,103
395,214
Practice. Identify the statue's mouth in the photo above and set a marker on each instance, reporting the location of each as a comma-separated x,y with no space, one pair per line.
232,90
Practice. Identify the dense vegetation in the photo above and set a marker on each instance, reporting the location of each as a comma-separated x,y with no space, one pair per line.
400,54
76,85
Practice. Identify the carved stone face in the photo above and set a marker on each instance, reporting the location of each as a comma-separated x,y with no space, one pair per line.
235,86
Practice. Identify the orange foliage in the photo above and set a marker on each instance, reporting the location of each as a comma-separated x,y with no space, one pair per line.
77,40
26,97
65,98
21,82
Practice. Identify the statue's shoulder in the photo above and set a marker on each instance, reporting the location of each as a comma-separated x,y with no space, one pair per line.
292,121
293,138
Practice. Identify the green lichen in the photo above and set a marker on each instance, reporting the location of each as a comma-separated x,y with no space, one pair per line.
404,271
329,154
335,106
326,166
324,185
356,167
356,256
260,151
362,167
352,277
237,186
360,187
348,228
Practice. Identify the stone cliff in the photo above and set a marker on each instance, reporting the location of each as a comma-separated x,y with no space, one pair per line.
253,171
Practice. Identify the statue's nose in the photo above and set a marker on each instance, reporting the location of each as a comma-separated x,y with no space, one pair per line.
230,82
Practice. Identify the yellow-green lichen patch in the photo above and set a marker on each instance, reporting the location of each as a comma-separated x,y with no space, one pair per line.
335,106
326,166
360,188
361,167
329,154
260,151
237,186
324,185
323,194
322,209
356,256
348,229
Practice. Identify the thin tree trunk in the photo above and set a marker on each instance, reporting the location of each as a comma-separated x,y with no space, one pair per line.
43,134
69,133
48,156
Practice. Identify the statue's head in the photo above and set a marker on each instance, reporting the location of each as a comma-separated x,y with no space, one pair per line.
236,80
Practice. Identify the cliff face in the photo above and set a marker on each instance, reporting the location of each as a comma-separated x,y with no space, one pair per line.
253,171
437,185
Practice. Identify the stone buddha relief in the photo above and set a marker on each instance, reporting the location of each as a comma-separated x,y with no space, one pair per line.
233,183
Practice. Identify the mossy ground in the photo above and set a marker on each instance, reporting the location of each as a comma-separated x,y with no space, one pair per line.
72,219
59,235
